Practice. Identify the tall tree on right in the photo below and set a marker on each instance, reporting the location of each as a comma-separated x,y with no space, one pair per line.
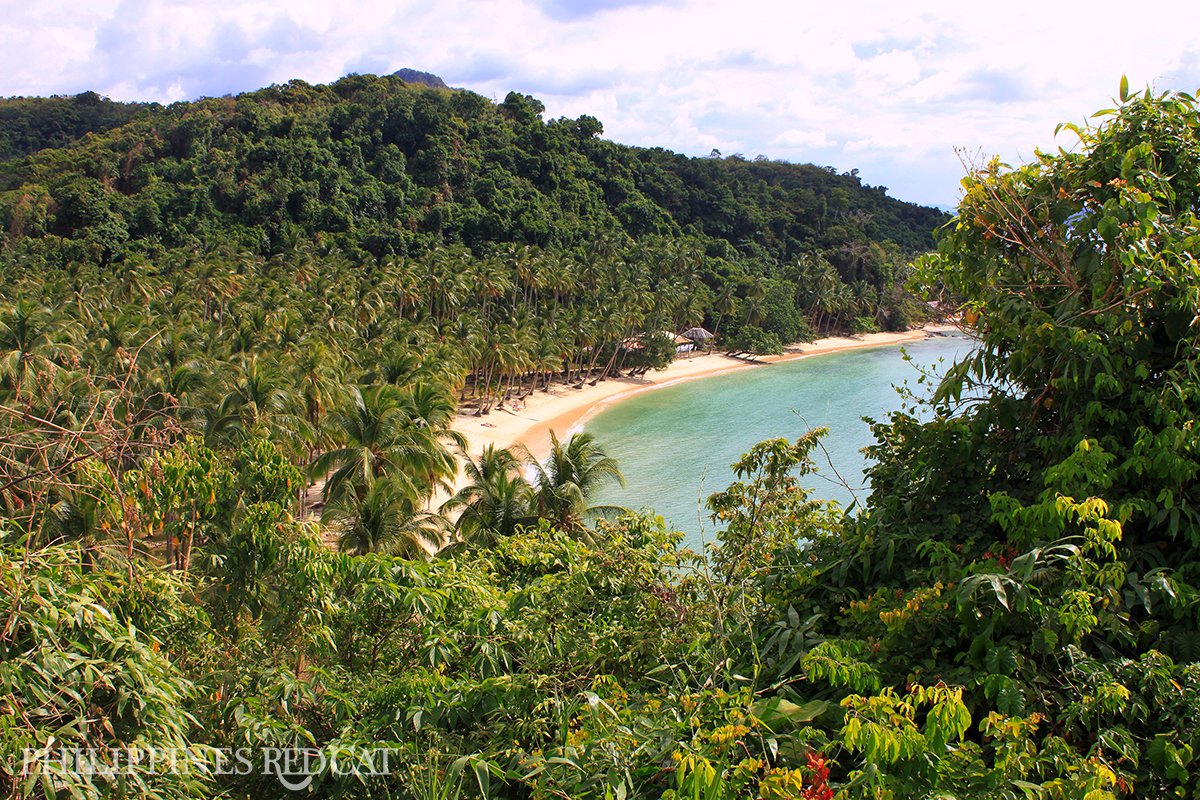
1033,540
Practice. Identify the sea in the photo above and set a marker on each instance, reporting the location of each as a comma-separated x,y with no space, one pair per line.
675,444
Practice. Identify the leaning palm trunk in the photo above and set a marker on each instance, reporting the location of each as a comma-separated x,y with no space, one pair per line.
592,365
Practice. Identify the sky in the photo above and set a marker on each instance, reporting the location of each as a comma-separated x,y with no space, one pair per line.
905,92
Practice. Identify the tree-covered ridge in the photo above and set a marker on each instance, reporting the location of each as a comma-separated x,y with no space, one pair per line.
381,167
30,124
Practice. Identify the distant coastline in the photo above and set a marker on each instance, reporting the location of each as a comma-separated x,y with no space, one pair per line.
564,408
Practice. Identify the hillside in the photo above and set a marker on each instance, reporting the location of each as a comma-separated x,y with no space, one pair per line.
417,76
30,124
382,167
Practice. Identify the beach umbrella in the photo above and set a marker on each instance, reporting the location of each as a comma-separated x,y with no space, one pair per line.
697,334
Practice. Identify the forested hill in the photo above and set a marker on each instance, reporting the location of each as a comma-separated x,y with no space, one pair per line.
417,76
29,124
378,166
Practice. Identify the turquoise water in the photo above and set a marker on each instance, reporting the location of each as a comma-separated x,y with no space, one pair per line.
675,444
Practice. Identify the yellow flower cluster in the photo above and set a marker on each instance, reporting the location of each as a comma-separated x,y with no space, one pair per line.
921,597
728,733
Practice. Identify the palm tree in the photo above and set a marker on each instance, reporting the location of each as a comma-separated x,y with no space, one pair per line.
316,382
497,501
290,330
214,283
726,303
430,409
826,295
31,339
118,335
170,387
381,439
547,358
402,281
756,295
430,406
559,276
572,474
135,278
842,301
385,519
445,284
397,366
259,403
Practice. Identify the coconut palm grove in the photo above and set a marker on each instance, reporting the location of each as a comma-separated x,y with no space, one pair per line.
246,550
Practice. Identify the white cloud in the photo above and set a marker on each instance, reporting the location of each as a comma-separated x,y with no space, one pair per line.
795,139
889,88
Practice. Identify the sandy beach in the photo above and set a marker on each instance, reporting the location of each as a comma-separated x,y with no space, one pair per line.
564,408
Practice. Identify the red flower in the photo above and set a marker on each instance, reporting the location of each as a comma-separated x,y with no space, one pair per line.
818,786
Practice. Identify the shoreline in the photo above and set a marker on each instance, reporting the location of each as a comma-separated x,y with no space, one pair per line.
563,409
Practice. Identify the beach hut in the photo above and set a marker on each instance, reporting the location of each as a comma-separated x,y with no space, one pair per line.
683,345
700,336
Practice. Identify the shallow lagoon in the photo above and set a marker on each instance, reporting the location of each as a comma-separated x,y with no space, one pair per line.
675,444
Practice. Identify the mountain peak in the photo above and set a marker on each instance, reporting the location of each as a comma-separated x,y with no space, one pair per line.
417,76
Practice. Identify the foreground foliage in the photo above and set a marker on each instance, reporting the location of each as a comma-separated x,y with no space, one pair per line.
1035,544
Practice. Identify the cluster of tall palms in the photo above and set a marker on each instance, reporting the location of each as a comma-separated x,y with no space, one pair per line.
354,372
831,303
393,456
525,318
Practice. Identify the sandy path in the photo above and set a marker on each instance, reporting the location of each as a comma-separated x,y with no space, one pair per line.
564,408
